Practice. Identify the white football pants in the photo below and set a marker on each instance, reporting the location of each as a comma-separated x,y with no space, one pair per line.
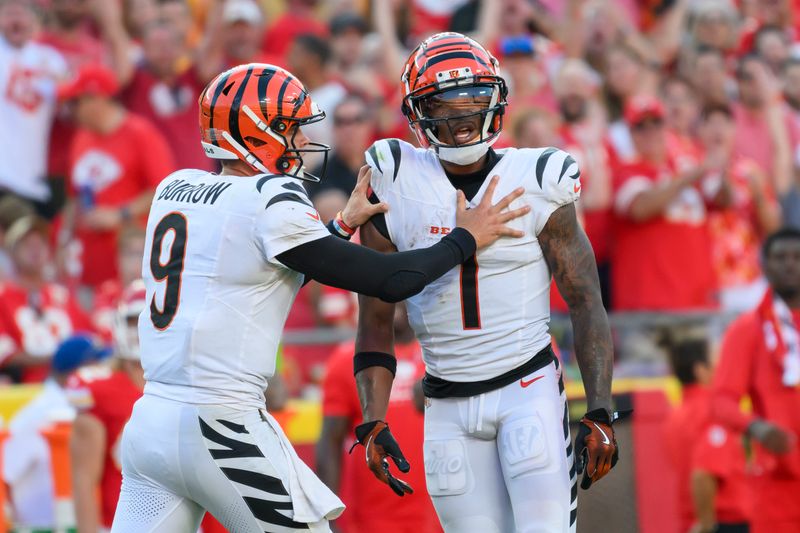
179,460
502,462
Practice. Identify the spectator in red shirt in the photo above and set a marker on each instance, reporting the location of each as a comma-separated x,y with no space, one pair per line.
118,159
709,460
660,257
750,214
167,96
35,314
709,76
760,358
526,74
369,507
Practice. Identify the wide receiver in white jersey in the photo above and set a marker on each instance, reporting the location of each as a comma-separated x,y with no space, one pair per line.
498,456
225,256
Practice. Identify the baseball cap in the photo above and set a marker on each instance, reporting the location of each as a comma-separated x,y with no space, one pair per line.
92,79
348,21
24,226
77,351
517,45
242,11
642,107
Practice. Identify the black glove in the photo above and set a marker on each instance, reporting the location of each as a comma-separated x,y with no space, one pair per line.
596,450
380,443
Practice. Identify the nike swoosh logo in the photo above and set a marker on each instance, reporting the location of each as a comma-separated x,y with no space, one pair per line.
576,188
605,437
528,383
315,216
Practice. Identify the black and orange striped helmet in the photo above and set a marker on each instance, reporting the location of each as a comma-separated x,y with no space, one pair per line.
450,67
253,112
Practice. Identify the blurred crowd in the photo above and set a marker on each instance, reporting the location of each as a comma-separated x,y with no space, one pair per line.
684,116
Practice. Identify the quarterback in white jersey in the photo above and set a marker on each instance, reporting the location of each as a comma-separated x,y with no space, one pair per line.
225,256
498,455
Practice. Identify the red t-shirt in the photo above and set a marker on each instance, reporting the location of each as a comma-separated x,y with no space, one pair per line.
36,323
115,168
663,263
753,139
747,368
371,506
173,110
109,396
693,443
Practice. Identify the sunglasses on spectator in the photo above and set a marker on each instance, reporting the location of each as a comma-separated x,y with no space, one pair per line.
349,121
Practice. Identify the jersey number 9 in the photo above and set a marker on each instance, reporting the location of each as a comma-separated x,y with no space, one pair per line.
169,271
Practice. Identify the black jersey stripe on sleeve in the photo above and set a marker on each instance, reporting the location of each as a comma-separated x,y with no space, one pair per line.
379,220
541,164
288,197
373,153
568,161
294,187
394,148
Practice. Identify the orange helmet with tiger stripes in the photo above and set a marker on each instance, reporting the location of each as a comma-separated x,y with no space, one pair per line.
253,113
450,68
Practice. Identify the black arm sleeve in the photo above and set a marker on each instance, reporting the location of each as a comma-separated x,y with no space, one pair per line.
391,277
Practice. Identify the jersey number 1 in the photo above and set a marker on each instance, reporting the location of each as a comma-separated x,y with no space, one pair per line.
171,270
470,304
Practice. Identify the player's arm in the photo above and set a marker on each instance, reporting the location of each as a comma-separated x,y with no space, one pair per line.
87,445
571,260
395,277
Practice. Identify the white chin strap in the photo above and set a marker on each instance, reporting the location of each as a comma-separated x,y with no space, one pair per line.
464,155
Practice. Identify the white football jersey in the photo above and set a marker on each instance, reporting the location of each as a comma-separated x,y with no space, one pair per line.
218,298
491,314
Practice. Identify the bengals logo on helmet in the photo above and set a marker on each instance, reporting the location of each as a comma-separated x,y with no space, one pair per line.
444,61
253,113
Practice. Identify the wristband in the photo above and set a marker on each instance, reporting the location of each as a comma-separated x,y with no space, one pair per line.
364,360
340,223
337,230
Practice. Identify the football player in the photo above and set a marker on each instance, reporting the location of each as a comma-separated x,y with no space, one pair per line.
498,456
224,258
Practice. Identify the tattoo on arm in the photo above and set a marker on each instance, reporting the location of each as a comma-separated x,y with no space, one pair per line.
571,260
375,333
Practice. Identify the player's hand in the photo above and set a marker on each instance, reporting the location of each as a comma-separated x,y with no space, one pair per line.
486,222
380,444
596,450
359,209
773,438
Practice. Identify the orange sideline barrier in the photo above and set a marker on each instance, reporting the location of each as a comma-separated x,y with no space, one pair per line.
57,437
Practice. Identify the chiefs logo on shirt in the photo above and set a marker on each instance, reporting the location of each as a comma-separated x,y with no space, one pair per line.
96,169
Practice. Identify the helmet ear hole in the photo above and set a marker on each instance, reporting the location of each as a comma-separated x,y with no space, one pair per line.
255,141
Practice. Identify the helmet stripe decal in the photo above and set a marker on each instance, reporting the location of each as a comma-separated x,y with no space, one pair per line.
233,118
299,102
217,91
282,93
263,83
451,55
